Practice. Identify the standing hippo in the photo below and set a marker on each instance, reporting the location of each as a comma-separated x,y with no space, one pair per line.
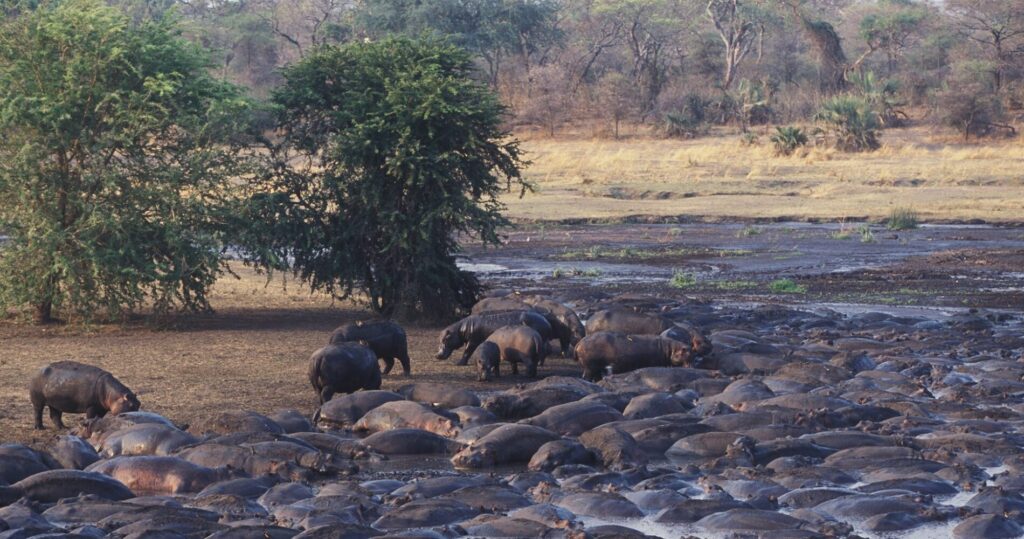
573,330
488,359
475,329
71,387
624,353
386,339
343,368
519,344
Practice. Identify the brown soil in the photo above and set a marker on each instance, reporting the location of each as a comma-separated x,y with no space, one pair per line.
251,354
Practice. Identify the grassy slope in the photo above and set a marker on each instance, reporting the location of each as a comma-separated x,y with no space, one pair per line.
718,177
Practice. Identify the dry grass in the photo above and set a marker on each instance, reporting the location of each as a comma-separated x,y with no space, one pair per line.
252,354
718,177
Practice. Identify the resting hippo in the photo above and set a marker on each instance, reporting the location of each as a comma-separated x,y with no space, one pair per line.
473,330
160,475
73,452
519,344
408,414
488,361
343,368
628,322
48,487
344,411
624,353
386,339
145,439
71,387
506,444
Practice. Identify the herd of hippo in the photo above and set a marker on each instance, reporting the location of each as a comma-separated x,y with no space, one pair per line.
690,420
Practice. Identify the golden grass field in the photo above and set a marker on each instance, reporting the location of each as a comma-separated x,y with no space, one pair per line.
718,177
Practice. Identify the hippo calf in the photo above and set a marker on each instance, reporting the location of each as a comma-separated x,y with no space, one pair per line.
343,368
519,344
488,360
386,338
624,353
72,387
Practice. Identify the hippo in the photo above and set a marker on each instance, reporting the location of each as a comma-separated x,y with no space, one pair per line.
386,338
488,361
615,449
54,485
160,475
691,335
599,504
567,319
442,395
426,513
344,411
560,452
519,344
408,414
411,442
343,368
474,329
73,452
624,353
506,444
628,322
521,403
574,418
72,387
19,461
145,439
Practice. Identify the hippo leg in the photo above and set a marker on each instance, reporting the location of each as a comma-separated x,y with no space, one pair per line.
94,412
515,367
389,363
56,417
566,345
326,394
591,375
531,367
470,348
406,369
37,408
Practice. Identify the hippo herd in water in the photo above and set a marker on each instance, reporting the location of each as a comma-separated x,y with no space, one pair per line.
764,422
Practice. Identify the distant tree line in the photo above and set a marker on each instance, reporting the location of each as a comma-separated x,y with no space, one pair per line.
679,64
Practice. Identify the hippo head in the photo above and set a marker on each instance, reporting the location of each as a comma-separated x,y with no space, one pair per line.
127,402
474,457
450,340
701,344
681,355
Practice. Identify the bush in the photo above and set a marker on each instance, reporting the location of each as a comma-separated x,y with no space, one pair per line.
391,151
786,286
682,279
117,151
691,121
971,111
902,219
851,122
788,139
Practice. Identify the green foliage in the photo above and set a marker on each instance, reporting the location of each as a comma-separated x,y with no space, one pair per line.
691,121
391,151
786,286
749,230
882,96
681,279
788,139
116,149
851,122
866,235
902,219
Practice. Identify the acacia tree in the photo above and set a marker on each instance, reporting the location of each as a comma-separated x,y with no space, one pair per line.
389,151
115,151
995,25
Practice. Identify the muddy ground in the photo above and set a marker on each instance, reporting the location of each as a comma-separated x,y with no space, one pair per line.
252,353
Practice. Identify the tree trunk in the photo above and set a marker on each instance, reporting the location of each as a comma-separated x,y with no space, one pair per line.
43,313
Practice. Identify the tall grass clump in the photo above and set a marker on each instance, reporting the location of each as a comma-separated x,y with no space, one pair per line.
787,139
902,219
851,122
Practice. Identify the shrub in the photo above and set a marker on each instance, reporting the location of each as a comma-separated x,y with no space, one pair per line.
682,279
788,139
786,286
851,122
902,219
690,121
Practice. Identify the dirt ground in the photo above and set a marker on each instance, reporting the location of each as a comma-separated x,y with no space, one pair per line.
252,353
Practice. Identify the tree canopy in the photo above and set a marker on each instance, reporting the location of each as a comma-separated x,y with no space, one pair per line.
390,151
116,146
